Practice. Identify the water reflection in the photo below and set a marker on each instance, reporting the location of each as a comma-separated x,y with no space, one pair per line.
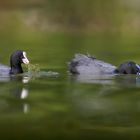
4,78
94,79
17,86
114,80
24,93
21,92
26,108
74,105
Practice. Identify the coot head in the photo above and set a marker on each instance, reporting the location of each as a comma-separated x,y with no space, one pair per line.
16,59
128,67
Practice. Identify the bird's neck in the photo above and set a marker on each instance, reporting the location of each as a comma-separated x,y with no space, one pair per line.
16,69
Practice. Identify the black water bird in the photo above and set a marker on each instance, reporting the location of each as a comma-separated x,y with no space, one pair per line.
16,59
88,65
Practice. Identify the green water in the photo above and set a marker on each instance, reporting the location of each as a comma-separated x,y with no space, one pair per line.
53,104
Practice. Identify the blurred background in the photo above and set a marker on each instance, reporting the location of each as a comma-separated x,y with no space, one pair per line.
52,31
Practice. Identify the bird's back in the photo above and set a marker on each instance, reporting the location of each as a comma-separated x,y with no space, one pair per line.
4,70
85,64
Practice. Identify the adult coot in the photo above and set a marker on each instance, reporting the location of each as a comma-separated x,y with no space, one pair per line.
16,59
89,65
128,67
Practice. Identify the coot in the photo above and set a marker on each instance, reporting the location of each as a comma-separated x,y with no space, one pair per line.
89,65
16,59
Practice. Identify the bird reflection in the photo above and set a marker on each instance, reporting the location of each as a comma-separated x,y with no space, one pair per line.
26,108
17,86
21,91
94,79
24,93
114,80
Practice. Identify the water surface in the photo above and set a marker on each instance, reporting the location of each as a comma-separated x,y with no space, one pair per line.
66,107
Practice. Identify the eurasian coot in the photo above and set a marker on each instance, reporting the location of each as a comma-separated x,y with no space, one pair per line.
16,59
89,65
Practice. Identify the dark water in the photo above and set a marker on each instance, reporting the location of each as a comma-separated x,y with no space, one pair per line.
50,106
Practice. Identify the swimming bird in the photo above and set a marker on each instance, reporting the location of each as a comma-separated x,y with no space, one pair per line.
128,67
89,65
16,59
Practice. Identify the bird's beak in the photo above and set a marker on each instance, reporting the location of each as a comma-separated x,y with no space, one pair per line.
25,59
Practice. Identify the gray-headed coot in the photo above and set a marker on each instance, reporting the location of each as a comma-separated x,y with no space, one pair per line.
16,59
89,65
